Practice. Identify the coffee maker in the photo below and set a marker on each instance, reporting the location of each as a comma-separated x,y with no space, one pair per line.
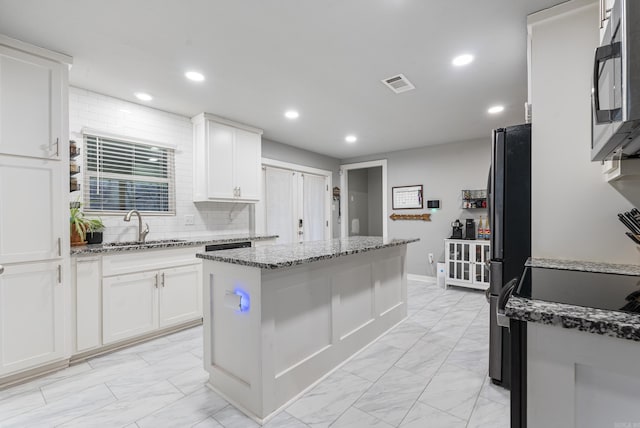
457,230
470,229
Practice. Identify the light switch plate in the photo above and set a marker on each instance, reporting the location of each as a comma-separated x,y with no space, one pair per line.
189,220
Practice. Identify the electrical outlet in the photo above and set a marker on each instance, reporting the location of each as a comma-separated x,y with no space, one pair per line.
189,220
430,258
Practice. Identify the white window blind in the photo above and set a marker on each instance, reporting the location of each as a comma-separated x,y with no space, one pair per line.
121,176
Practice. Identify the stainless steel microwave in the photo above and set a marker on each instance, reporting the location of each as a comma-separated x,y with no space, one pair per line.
615,130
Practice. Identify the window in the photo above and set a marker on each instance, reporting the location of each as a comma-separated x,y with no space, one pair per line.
122,176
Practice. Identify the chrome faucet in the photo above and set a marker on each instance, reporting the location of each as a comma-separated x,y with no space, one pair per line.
142,234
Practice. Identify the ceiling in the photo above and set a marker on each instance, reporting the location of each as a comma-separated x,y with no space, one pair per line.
324,59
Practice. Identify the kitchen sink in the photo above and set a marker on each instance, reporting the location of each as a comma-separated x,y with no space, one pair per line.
151,243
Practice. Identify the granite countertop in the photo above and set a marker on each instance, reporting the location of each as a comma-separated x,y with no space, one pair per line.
584,266
623,325
166,243
287,255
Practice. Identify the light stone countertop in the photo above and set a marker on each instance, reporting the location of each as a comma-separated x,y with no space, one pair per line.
287,255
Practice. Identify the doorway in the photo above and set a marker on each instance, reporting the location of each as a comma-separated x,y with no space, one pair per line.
364,199
296,203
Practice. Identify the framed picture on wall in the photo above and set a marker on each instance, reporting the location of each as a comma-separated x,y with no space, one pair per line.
406,197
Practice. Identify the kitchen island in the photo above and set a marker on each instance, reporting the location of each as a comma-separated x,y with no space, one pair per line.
278,319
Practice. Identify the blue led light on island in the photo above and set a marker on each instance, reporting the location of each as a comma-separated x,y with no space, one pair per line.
245,301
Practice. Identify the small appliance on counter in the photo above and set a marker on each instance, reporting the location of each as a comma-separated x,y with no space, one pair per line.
470,229
457,230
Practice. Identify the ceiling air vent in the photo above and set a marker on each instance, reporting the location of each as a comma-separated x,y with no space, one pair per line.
398,83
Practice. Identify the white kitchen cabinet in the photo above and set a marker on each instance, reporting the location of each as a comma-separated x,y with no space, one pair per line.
180,296
466,263
32,103
127,295
227,160
86,287
32,210
129,306
34,227
605,12
31,316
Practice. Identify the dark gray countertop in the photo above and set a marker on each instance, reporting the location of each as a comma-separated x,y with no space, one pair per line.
623,325
178,243
286,255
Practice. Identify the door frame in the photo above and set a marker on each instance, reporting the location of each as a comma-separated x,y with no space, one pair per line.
260,207
344,193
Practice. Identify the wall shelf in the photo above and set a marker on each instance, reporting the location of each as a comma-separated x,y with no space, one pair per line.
473,199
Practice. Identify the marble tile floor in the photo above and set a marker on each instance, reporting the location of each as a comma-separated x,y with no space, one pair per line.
429,371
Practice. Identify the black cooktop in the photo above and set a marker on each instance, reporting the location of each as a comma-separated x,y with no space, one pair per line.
589,289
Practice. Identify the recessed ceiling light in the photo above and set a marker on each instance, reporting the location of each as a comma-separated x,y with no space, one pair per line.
291,114
461,60
194,75
351,139
495,109
143,96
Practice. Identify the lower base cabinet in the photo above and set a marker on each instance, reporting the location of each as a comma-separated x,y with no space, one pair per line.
121,297
31,316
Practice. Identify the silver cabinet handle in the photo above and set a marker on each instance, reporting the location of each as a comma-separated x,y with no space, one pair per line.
156,282
1,269
59,274
162,279
239,192
59,247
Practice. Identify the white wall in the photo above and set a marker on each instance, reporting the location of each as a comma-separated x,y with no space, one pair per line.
574,209
444,170
104,113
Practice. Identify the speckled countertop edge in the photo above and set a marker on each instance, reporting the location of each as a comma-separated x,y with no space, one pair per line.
187,242
622,325
288,255
584,266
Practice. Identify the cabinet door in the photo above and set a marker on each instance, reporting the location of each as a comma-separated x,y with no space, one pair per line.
129,306
31,209
180,295
88,302
31,316
248,165
30,105
220,183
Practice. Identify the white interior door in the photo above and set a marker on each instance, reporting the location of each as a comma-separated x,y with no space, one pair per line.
315,225
280,204
296,205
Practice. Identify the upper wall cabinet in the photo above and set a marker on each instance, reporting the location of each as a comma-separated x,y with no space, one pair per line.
227,160
31,105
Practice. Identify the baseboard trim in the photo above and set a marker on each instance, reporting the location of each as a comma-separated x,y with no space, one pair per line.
421,278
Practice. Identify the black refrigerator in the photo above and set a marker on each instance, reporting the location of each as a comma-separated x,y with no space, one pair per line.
509,203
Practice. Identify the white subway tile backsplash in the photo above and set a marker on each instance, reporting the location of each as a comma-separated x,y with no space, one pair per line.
91,110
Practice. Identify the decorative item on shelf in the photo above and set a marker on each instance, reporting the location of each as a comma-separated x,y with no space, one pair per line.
474,199
423,217
74,168
95,227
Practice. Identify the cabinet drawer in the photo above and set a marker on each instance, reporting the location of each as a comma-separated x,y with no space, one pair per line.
145,260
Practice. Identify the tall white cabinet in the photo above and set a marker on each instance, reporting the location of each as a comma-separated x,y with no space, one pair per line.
227,160
34,231
466,263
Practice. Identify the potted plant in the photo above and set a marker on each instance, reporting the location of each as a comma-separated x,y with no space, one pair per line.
95,227
78,224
